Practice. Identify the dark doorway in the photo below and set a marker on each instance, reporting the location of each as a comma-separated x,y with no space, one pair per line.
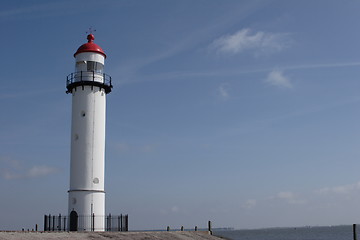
73,221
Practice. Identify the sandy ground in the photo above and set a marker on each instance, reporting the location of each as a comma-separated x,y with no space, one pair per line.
109,235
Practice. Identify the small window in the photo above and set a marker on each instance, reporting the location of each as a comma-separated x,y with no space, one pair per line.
80,66
91,66
96,181
95,67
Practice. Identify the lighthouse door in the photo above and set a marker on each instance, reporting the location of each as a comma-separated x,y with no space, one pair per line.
73,221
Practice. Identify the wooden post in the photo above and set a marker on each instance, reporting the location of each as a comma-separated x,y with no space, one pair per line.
210,228
168,228
354,231
195,228
182,228
36,227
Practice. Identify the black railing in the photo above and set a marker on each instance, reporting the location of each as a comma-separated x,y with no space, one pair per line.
110,223
89,78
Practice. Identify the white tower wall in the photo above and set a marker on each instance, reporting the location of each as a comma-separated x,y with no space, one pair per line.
87,164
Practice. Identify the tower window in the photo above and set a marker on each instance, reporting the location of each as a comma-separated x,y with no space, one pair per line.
95,66
80,66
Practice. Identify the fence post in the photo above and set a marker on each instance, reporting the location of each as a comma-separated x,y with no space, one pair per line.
354,231
127,223
210,228
182,228
45,223
64,223
122,222
49,219
168,228
195,228
36,227
53,223
119,223
49,222
59,223
93,222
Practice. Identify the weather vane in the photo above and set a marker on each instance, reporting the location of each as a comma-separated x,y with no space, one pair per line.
91,30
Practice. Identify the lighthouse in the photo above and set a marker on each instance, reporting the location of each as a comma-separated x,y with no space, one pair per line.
88,86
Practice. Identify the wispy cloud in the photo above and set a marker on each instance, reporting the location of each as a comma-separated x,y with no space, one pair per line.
39,171
13,169
289,197
129,70
251,203
47,9
223,91
246,39
221,73
172,210
341,189
277,78
33,172
123,147
35,10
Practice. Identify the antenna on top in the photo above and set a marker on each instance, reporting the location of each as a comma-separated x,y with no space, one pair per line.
91,30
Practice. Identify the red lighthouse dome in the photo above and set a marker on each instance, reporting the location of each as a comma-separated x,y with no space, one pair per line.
90,46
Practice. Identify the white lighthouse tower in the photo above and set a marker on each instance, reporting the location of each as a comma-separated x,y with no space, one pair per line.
88,86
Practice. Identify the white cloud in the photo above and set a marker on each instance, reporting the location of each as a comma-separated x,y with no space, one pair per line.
122,147
125,147
251,203
175,209
223,91
171,210
277,78
289,197
245,39
39,171
285,195
33,172
13,169
342,189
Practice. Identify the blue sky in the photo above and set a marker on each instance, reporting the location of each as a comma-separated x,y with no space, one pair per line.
245,113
